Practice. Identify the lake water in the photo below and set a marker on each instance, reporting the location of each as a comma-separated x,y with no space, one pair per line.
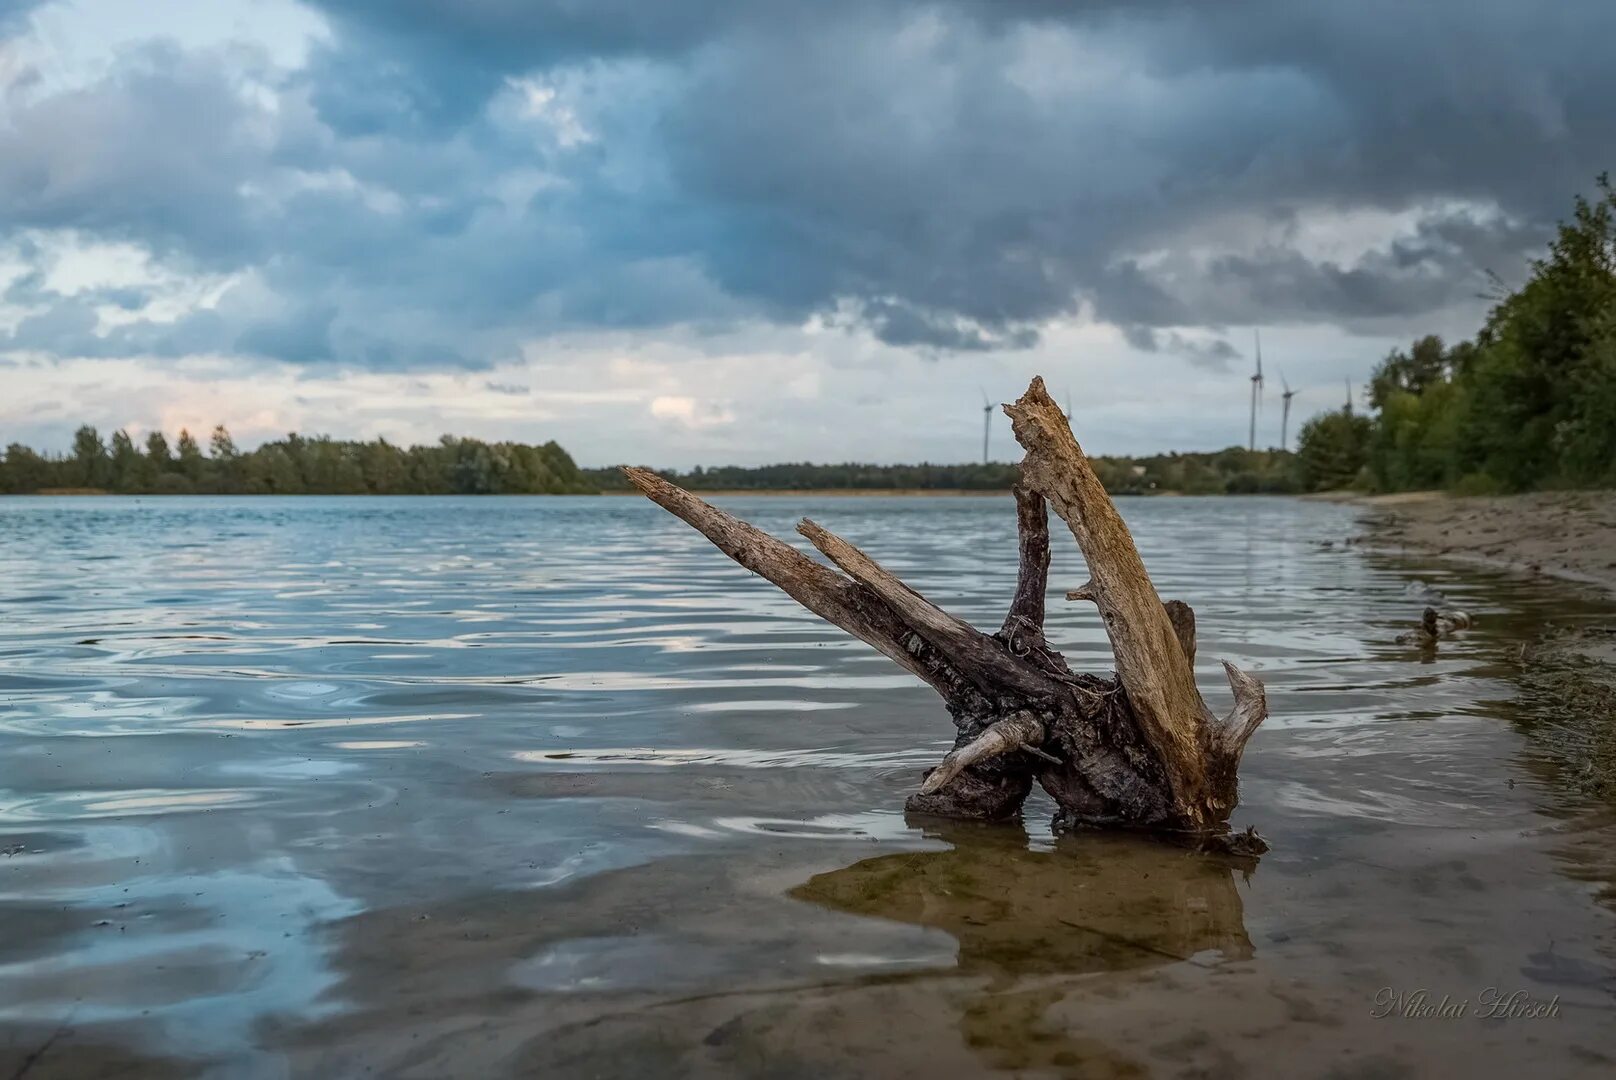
505,786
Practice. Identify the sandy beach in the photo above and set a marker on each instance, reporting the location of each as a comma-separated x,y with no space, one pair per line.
1567,534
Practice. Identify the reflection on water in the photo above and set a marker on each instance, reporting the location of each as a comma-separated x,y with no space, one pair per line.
1096,902
472,787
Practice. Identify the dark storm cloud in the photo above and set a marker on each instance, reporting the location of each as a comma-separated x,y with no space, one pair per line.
303,337
400,63
899,323
1213,355
952,173
1448,258
16,13
159,151
1001,171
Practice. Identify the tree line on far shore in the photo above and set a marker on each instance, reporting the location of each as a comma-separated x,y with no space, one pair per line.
1530,403
294,465
1233,471
319,465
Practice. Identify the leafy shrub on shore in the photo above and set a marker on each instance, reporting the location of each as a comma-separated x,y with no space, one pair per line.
1332,450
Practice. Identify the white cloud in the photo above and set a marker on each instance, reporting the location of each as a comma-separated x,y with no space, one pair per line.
74,42
543,104
691,412
754,395
285,184
71,264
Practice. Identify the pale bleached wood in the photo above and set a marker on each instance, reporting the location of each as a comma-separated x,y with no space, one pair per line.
1151,664
1250,709
1019,731
1182,616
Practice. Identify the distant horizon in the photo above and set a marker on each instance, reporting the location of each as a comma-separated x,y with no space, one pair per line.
469,466
139,435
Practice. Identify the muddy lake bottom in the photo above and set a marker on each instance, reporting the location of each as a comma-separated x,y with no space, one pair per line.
547,787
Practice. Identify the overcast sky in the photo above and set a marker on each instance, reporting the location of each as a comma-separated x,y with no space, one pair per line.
750,230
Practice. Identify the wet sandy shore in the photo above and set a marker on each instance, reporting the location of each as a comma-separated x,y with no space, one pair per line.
1569,534
1564,534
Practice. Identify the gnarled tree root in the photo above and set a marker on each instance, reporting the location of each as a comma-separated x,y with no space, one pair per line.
1139,751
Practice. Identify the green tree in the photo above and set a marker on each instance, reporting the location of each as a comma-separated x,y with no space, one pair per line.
1332,450
270,470
1425,365
1586,439
192,465
159,462
158,453
225,460
25,470
90,465
331,468
1538,347
386,468
127,472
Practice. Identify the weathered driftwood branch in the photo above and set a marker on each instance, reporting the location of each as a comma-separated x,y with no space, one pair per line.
1023,731
1143,750
1024,622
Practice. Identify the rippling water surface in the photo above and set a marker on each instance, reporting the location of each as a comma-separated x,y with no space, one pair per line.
445,787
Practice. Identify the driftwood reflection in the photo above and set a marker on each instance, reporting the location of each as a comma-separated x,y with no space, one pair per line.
1026,920
1096,902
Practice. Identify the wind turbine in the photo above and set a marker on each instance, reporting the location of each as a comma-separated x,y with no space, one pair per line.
1285,415
1256,390
987,424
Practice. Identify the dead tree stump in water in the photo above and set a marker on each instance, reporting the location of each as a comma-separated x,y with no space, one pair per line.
1141,750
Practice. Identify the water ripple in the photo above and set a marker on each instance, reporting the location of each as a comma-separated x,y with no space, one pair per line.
233,729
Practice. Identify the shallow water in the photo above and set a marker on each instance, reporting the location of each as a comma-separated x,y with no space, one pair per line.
444,787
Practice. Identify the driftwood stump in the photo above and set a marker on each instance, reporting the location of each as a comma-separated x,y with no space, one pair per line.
1141,750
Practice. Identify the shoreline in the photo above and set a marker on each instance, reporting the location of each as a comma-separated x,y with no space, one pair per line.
772,493
962,493
1564,534
1569,670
